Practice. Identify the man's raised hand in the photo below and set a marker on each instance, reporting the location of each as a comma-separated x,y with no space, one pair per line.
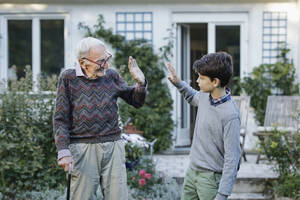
135,71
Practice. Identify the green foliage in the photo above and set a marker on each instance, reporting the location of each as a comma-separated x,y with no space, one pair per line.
270,79
154,118
157,186
284,149
133,154
27,154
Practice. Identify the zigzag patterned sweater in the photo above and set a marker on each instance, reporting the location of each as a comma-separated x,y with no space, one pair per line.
86,110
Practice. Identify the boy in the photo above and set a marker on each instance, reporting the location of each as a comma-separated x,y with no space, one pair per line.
215,151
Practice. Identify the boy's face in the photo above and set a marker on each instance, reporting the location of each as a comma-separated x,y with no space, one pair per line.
206,84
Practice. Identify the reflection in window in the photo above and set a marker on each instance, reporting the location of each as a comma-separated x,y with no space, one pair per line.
52,46
228,39
19,47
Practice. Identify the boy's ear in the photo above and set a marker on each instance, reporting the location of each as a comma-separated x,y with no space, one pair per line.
217,82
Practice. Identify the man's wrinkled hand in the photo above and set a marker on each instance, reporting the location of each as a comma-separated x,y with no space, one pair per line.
64,162
135,71
174,78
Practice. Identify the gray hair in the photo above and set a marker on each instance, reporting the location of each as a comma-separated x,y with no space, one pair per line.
84,46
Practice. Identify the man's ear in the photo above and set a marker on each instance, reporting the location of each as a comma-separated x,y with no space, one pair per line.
82,63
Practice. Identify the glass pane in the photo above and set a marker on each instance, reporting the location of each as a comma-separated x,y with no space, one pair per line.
19,47
52,47
228,39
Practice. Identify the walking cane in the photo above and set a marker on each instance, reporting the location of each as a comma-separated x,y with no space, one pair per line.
69,181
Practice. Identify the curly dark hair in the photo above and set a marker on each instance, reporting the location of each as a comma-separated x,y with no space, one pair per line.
215,65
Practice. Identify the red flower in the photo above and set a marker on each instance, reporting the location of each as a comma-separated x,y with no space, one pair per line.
142,182
148,176
142,173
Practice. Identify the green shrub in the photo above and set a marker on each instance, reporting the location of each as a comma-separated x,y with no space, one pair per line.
270,79
284,149
27,150
154,118
154,186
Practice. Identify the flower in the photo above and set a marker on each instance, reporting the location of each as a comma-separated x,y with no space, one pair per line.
142,182
148,176
142,173
133,178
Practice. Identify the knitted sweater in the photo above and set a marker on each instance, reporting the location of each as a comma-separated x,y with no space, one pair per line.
86,110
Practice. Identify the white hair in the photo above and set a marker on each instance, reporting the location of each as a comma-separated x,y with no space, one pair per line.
84,46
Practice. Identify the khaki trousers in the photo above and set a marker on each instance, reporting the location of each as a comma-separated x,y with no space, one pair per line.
100,164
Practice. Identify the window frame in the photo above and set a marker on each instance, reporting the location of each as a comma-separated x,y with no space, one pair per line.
267,56
36,42
134,22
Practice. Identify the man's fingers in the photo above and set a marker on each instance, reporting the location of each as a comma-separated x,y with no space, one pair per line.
130,63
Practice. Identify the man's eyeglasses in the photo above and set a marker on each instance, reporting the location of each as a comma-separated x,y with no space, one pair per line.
102,62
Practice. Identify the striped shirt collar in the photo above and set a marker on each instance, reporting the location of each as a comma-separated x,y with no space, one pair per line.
223,99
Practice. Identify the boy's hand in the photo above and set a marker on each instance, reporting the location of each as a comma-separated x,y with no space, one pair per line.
174,78
135,71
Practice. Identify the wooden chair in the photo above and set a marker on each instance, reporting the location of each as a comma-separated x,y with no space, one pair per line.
243,103
282,112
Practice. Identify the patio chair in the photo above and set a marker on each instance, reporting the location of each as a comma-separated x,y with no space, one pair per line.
282,112
243,103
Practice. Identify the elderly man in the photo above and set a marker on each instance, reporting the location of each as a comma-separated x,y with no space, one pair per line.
85,122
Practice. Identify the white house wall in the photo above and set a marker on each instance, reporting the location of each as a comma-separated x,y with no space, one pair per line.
162,20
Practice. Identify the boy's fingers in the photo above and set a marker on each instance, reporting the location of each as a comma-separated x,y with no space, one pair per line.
171,69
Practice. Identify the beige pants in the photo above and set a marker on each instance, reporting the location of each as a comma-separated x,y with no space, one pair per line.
101,164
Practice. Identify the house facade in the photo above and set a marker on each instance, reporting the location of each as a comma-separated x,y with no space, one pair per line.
43,35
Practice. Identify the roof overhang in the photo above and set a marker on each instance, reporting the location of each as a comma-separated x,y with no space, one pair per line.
137,1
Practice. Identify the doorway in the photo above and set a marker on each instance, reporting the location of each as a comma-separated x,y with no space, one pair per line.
196,40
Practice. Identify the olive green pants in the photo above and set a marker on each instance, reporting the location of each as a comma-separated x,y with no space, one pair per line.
101,164
200,185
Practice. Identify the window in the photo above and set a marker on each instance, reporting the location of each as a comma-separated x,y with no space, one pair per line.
19,47
34,41
135,25
274,35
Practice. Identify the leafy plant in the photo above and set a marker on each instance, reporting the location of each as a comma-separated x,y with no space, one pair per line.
154,118
144,182
27,151
133,155
270,79
283,148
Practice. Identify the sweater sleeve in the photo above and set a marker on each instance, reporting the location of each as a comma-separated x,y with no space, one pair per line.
191,95
62,114
133,95
232,156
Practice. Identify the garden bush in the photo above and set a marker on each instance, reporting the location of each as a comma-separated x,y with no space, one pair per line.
270,79
27,150
283,149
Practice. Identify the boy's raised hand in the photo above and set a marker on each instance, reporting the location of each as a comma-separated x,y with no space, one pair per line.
174,78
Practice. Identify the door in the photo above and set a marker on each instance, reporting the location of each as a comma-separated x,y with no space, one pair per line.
183,70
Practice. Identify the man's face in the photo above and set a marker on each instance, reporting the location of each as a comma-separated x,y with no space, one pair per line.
96,63
205,83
